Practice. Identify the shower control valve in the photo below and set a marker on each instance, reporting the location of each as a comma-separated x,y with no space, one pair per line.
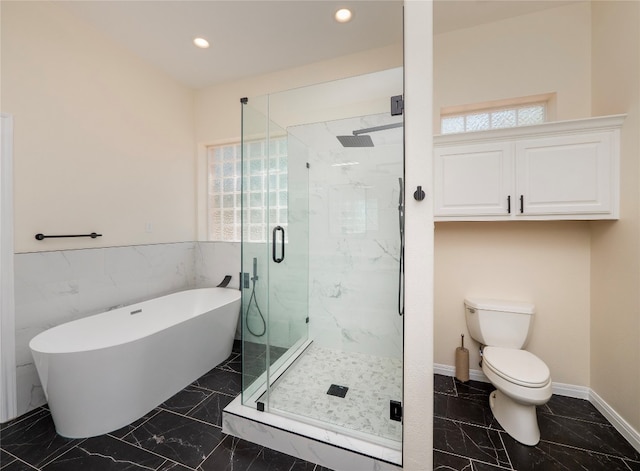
419,194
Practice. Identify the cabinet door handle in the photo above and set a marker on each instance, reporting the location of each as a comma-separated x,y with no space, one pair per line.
521,204
509,204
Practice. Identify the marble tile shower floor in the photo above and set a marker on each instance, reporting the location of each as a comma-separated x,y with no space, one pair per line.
371,381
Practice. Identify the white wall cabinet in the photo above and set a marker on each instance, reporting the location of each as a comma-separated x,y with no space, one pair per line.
562,170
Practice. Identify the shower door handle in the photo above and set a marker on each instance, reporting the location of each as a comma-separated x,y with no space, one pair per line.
274,244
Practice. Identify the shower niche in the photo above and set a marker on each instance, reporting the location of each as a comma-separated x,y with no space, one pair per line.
322,230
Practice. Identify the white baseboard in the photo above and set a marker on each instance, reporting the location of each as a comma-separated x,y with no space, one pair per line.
561,389
569,390
447,370
621,425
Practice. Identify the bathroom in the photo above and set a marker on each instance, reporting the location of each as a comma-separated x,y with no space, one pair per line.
156,245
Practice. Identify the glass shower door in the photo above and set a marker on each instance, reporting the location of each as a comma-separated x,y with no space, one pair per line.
287,201
274,252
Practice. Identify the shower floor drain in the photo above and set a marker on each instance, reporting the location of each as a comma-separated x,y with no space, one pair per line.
338,391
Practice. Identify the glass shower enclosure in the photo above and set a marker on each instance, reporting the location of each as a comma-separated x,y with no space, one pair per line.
322,248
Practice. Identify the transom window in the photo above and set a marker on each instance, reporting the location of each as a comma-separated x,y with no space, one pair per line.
495,115
265,188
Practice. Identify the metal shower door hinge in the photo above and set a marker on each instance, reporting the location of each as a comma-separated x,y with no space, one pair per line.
395,410
397,105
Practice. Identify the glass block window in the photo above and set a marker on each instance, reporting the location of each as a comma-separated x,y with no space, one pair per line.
265,190
495,118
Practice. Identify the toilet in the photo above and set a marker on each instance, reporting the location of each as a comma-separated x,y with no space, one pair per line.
522,380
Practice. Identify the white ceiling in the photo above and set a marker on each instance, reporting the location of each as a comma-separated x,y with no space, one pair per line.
252,37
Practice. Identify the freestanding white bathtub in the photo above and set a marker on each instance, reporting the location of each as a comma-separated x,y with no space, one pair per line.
105,371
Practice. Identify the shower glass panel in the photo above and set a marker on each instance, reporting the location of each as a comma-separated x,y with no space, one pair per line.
274,302
332,351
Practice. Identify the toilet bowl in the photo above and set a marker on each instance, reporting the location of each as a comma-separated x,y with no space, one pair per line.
522,380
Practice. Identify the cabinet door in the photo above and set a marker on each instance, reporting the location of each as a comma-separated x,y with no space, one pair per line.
568,174
473,180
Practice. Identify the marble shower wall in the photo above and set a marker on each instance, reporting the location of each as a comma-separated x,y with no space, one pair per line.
354,241
59,286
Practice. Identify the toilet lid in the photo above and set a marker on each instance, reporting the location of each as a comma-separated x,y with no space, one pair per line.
517,366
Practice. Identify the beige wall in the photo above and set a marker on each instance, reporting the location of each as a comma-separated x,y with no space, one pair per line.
543,52
218,106
103,142
546,263
97,130
615,249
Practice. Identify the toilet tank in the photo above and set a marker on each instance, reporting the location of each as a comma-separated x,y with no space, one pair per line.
499,323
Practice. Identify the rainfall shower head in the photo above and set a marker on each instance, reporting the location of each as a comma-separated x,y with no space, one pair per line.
355,141
358,140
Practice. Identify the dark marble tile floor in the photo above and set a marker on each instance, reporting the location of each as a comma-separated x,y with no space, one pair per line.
255,360
573,435
184,434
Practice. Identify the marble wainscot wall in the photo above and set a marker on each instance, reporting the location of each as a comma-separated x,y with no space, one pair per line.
354,239
55,287
214,260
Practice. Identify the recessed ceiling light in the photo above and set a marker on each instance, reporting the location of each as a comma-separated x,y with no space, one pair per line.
343,15
201,43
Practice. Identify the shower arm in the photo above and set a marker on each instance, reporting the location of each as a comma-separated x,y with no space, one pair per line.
378,128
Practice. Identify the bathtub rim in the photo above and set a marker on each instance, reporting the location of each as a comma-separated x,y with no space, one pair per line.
56,330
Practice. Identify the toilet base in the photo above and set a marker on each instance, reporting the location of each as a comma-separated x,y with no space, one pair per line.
518,420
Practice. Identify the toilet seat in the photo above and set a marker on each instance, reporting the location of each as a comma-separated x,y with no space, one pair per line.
517,366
